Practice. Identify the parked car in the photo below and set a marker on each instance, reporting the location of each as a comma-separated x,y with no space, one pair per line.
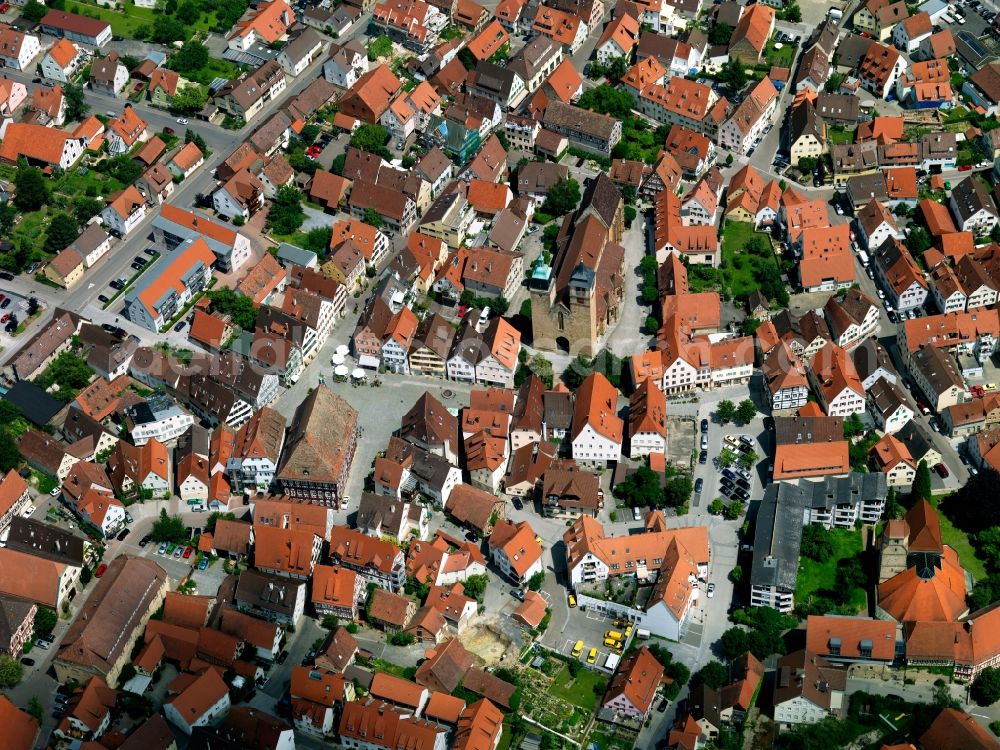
203,564
103,298
704,426
711,590
122,535
282,657
187,551
29,511
703,457
163,547
145,540
698,484
100,570
28,662
942,470
180,325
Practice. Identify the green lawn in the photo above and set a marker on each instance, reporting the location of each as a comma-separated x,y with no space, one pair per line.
958,540
127,23
581,691
122,24
738,265
819,576
80,180
840,135
781,57
213,69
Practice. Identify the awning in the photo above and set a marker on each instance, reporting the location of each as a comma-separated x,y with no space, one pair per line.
367,361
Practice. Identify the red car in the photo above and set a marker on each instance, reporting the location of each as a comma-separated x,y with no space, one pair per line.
942,470
4,7
100,570
187,552
965,168
138,86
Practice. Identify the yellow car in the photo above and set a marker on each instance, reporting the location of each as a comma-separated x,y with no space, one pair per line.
990,387
539,540
577,650
571,600
731,439
620,623
628,631
612,643
613,635
592,656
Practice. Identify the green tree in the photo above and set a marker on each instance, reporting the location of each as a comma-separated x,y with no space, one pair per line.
45,621
922,482
734,642
31,192
168,528
373,218
63,229
84,209
720,33
677,490
34,11
167,30
985,690
11,671
35,708
189,99
817,543
650,326
747,459
918,241
607,100
380,46
371,138
402,639
76,103
309,133
240,308
727,457
192,137
746,411
286,214
853,426
791,13
66,370
732,76
640,488
317,240
124,169
189,58
475,586
617,68
330,622
716,507
86,575
536,581
734,510
725,410
715,674
562,197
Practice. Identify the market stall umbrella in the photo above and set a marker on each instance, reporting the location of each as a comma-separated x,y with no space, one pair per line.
340,371
358,374
343,350
337,359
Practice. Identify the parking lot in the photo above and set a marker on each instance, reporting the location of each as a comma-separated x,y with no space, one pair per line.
589,626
